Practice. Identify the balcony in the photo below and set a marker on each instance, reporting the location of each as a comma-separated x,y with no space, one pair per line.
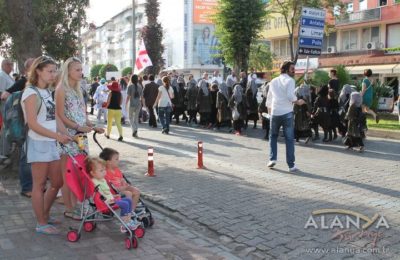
360,17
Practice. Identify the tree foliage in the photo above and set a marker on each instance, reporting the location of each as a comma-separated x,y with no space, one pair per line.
152,35
126,71
29,28
95,70
260,57
238,24
107,68
291,11
343,75
319,78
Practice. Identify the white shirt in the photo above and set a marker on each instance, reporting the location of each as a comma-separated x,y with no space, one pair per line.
165,99
101,95
281,95
47,114
6,81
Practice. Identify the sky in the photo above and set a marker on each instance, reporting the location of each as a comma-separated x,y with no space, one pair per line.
102,10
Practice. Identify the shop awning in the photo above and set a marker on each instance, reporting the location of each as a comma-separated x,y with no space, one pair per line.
376,69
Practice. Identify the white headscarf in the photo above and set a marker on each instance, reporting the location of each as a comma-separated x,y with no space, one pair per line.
203,84
238,93
356,99
252,84
223,89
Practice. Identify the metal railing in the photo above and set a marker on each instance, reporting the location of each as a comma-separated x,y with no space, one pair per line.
358,17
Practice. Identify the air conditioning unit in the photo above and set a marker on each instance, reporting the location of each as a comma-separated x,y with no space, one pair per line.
371,45
331,49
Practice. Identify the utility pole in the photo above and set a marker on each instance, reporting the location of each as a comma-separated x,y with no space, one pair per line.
133,35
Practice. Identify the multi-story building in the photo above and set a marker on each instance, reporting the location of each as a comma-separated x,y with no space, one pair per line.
112,41
189,38
368,36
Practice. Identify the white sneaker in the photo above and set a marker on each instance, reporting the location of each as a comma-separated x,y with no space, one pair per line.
293,169
271,164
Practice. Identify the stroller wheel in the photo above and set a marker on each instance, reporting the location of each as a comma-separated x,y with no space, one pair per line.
139,232
89,226
73,235
128,243
151,221
134,242
146,222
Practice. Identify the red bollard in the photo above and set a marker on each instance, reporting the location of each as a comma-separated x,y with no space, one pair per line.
200,155
150,164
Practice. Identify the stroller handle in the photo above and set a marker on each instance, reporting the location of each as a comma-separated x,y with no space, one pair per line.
96,141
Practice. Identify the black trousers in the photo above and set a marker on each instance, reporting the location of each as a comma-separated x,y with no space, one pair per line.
152,118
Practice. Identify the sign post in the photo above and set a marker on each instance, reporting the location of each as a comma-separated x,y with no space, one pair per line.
311,32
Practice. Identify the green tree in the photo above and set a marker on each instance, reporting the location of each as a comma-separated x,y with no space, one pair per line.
319,78
28,28
107,68
238,24
95,70
291,11
152,35
126,71
260,57
343,75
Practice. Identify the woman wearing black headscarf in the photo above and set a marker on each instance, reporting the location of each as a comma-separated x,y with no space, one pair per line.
321,112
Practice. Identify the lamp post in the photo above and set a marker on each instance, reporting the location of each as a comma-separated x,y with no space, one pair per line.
133,35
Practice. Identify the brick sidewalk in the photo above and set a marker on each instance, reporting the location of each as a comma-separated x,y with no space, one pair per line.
167,239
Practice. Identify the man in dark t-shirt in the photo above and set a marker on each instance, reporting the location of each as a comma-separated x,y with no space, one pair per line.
334,82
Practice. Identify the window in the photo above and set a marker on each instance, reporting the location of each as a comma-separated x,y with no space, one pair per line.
329,40
282,48
393,33
350,40
382,2
370,35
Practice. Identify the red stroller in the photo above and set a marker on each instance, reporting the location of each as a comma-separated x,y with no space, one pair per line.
83,188
143,212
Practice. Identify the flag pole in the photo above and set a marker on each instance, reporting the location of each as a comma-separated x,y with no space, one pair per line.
133,35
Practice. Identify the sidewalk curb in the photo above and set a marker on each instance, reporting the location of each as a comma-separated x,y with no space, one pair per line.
383,134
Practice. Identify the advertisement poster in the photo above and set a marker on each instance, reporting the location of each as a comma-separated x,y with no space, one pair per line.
203,11
204,45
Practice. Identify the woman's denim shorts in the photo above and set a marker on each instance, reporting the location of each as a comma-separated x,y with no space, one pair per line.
41,151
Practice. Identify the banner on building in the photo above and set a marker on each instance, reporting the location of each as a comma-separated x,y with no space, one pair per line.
203,10
205,45
142,59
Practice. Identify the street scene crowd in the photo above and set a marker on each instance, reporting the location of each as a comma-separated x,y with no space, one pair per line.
56,108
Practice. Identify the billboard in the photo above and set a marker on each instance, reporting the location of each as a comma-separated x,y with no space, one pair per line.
203,11
204,45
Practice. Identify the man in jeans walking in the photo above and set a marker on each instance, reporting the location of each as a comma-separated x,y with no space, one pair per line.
280,100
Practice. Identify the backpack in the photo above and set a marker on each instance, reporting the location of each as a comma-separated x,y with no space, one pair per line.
14,122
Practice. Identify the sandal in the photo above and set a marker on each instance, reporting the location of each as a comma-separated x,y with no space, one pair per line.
47,229
53,221
75,215
27,194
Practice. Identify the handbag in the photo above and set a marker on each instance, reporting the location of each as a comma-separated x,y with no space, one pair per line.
235,114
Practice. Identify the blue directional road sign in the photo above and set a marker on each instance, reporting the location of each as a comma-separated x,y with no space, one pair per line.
310,42
311,31
312,22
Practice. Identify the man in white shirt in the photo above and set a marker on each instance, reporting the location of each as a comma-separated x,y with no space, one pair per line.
216,78
6,81
280,100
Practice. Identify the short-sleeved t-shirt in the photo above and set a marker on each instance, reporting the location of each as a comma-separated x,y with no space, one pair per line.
135,101
114,178
104,189
47,114
165,99
334,84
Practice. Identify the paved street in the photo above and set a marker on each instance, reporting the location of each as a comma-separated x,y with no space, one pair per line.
236,207
261,213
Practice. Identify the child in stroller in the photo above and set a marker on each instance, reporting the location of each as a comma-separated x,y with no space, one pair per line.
95,167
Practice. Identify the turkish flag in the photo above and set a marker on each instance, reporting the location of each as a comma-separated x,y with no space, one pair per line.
142,59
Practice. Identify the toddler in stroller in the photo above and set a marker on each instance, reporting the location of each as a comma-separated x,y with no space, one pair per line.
97,171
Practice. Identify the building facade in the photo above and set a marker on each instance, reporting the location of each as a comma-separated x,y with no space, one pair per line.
368,36
112,41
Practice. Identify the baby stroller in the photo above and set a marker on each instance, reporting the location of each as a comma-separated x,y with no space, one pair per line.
97,209
142,211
